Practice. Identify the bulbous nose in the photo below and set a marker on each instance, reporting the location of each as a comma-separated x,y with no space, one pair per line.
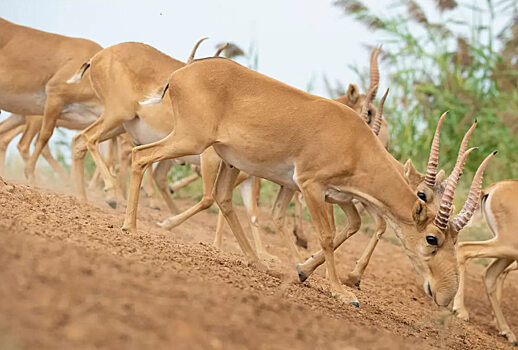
442,296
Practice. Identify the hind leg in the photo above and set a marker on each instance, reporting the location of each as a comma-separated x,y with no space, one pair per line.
209,170
160,177
279,215
89,139
490,281
298,231
175,145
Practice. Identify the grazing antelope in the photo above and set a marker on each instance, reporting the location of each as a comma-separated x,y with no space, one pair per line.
430,191
351,99
304,143
33,74
498,205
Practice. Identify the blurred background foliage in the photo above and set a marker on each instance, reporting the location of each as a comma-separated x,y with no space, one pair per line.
464,61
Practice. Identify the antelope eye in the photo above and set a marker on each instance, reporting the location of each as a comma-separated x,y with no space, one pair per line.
421,196
432,240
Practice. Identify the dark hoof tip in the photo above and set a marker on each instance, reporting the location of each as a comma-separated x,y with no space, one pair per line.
354,303
112,203
515,343
302,275
155,207
124,229
171,190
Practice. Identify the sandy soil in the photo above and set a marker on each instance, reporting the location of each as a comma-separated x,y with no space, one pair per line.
70,279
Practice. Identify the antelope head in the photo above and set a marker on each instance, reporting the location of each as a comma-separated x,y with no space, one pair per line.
432,247
356,100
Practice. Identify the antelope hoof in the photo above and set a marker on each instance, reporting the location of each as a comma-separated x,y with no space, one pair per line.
515,343
302,275
344,296
462,314
112,203
171,190
155,207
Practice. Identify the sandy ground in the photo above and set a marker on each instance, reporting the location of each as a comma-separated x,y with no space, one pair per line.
70,279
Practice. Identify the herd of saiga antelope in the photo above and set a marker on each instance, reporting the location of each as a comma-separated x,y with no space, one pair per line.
239,125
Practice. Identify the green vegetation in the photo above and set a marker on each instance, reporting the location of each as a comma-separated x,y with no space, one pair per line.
465,62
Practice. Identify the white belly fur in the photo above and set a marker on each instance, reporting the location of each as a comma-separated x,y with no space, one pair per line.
281,174
142,134
80,114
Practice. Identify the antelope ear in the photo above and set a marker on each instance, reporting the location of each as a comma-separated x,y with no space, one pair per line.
440,183
411,174
440,177
419,214
352,93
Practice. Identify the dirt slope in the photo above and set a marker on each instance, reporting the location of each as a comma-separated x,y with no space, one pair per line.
69,278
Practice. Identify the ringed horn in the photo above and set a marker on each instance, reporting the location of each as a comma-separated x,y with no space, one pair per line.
444,212
376,125
464,143
433,160
462,218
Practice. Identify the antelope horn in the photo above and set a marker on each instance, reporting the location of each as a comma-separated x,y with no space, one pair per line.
374,70
366,102
193,52
462,218
443,215
464,143
220,50
433,160
376,125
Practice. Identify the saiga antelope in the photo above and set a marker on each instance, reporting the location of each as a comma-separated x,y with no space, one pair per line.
498,205
354,100
33,76
121,76
429,187
304,143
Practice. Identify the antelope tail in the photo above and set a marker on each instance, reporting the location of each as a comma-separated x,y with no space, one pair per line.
76,78
156,97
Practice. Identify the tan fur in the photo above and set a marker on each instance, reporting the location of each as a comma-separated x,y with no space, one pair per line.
34,68
355,100
501,213
302,142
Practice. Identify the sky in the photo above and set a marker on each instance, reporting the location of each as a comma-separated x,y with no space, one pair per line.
297,40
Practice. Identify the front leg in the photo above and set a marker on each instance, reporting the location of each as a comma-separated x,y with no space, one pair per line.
354,278
317,259
222,194
465,252
319,211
